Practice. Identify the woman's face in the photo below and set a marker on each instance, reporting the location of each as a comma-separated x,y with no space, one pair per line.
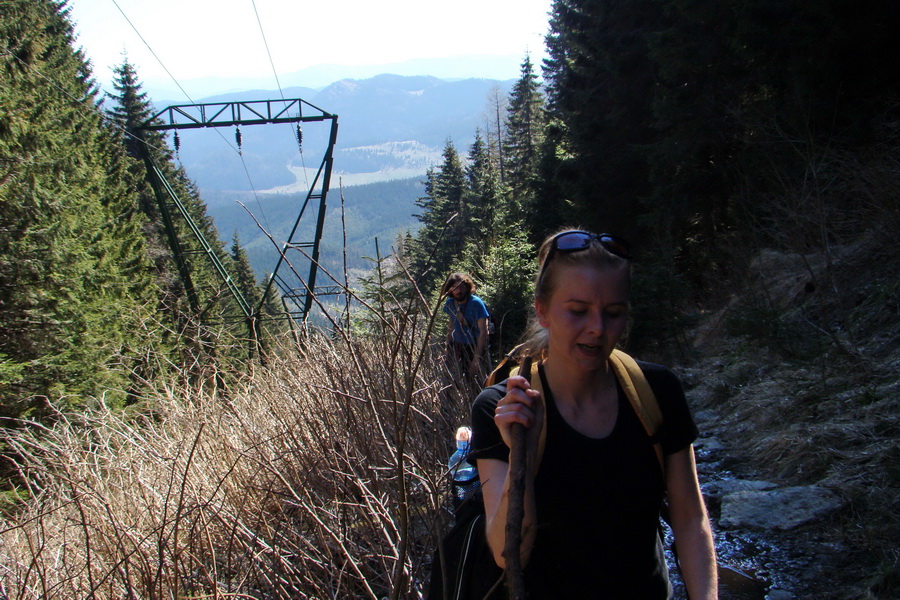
585,315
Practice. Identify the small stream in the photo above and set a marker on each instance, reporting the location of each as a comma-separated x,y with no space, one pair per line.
740,578
750,568
751,565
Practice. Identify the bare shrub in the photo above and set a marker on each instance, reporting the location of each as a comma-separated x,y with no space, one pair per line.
323,477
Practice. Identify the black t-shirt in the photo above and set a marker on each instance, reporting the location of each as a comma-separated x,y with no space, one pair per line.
597,500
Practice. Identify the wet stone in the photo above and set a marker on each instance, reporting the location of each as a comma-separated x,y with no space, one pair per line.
711,467
736,585
718,489
707,447
704,417
780,509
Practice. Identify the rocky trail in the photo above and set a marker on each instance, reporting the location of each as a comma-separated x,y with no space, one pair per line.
795,388
771,540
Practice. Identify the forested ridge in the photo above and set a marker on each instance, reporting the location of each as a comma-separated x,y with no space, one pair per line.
748,150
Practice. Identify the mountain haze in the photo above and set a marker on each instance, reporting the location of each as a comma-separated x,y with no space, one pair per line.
422,113
317,77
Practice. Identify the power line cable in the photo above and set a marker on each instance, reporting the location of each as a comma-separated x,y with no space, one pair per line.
86,102
268,52
280,90
188,96
153,53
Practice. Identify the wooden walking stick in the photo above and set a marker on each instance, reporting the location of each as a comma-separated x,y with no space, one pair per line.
515,508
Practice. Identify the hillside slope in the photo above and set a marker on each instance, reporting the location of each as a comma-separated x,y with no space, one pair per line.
801,371
372,211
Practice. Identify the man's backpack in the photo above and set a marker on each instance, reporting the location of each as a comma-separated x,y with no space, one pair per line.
463,555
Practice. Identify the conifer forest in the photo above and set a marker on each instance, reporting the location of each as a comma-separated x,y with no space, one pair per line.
156,443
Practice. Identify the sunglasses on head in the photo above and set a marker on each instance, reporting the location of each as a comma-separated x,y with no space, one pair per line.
575,240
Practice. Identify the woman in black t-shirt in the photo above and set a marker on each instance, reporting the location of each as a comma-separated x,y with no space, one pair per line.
592,505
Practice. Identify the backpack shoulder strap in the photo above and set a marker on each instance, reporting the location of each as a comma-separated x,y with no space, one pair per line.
505,367
638,391
641,397
534,378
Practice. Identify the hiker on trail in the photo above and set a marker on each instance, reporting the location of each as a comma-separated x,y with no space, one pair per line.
468,332
595,485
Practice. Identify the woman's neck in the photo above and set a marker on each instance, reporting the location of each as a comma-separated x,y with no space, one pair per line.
576,386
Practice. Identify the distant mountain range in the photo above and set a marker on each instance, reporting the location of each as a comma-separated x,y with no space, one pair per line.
392,128
473,66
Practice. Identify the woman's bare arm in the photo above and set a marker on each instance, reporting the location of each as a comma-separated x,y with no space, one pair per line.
521,405
494,475
690,524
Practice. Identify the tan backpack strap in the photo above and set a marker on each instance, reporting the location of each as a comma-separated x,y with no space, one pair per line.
641,397
536,384
535,379
502,371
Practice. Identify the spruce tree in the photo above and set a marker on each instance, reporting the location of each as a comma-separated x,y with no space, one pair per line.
196,299
441,239
553,186
243,272
483,198
495,131
507,287
131,109
387,292
688,210
267,321
525,124
750,96
600,82
74,288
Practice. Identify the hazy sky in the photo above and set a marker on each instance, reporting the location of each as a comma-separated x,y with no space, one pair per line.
223,38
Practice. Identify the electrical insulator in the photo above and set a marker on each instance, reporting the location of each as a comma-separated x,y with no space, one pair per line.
237,137
299,136
177,143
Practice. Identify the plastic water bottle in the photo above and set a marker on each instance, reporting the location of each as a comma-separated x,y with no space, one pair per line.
462,472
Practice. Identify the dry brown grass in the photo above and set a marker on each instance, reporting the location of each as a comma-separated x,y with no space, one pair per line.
323,477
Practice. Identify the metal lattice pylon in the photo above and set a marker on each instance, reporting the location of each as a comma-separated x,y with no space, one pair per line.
296,291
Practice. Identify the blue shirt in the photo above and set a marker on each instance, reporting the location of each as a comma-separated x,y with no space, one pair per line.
465,318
